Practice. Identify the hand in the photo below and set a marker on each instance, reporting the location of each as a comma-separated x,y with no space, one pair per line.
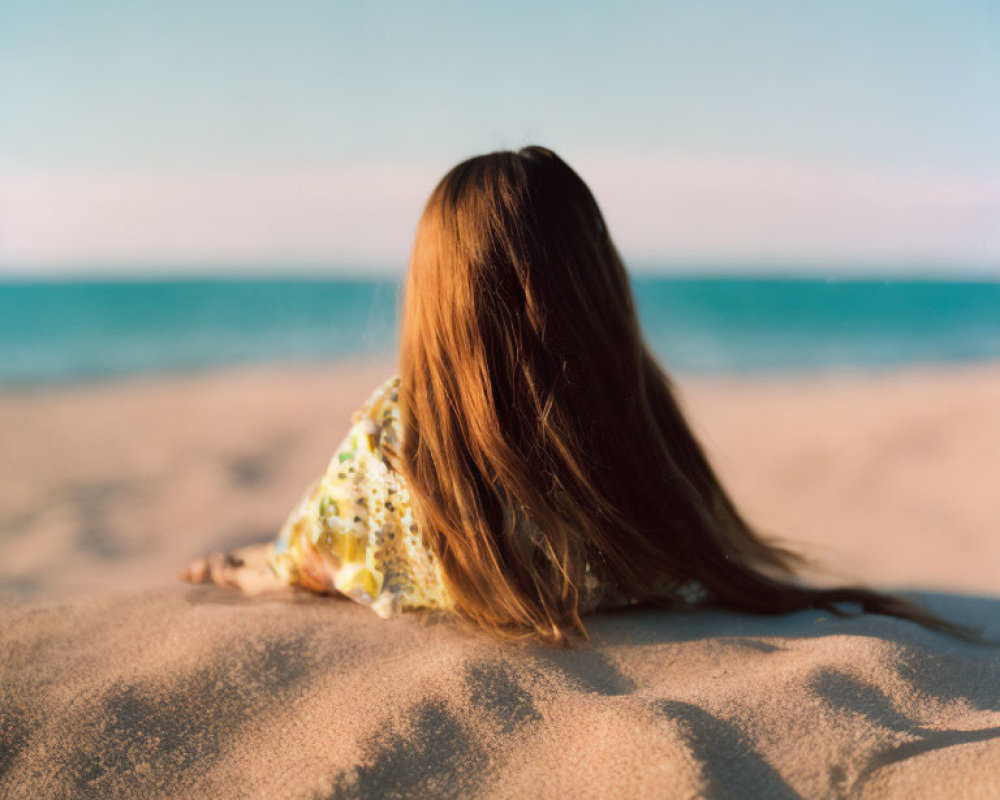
245,569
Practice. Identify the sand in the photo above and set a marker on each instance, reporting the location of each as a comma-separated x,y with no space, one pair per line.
117,681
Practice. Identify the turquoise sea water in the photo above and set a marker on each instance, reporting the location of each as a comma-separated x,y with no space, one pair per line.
81,330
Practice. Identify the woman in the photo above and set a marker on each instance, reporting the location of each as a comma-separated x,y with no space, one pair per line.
531,463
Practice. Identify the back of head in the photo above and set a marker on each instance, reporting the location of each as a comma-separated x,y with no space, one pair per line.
541,439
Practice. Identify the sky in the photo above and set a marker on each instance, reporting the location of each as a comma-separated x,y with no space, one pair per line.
189,136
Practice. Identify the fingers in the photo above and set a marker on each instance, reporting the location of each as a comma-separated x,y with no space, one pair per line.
253,583
195,572
223,569
254,556
220,568
244,569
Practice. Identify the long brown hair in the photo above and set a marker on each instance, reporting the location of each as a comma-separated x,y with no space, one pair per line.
528,394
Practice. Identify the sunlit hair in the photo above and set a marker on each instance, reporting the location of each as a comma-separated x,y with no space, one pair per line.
540,435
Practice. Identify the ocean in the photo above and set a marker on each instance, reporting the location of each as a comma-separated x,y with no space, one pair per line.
52,332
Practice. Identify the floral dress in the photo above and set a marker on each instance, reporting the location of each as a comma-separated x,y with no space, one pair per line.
358,519
354,530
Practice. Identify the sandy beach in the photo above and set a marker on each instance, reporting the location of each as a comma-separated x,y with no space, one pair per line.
118,681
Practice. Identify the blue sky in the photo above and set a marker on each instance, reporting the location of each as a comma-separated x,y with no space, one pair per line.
238,133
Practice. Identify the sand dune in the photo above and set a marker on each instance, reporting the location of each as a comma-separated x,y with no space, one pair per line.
119,682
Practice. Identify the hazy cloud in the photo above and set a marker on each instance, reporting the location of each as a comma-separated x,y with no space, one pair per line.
660,208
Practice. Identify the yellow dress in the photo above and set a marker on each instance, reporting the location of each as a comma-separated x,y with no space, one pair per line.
358,518
354,529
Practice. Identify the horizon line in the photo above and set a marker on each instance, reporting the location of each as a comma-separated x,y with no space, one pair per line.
760,269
